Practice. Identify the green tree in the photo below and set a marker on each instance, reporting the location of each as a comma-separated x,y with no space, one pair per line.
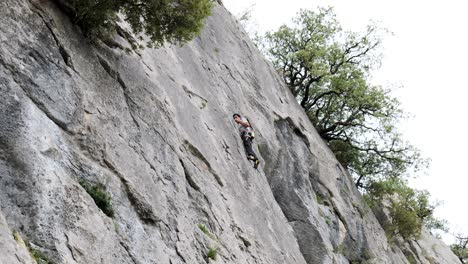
460,248
408,209
328,70
174,21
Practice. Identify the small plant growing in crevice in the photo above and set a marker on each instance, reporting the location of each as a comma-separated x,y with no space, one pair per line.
116,227
37,255
203,229
320,198
212,253
411,259
204,103
206,232
100,196
339,249
17,237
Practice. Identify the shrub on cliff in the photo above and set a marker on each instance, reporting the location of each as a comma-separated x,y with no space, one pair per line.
460,248
173,21
100,196
408,209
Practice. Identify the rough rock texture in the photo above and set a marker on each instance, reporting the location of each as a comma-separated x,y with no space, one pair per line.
13,249
430,250
155,127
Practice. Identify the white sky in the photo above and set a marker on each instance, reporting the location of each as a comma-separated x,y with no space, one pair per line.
428,57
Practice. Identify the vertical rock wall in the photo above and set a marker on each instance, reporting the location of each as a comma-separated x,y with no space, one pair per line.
155,128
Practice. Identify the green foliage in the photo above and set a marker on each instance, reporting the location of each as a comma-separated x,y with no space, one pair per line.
245,20
116,227
405,221
17,236
409,209
206,232
174,21
203,229
95,17
460,248
436,224
411,259
102,199
461,253
212,253
204,103
356,257
37,255
245,15
320,198
340,249
328,70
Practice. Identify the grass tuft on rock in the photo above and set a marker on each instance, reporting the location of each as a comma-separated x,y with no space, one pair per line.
204,229
212,253
37,255
100,196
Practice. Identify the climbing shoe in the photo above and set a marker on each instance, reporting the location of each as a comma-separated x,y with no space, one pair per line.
256,162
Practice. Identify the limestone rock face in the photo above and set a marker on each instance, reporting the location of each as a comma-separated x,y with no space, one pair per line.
155,128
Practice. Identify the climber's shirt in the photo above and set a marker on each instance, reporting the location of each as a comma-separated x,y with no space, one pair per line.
243,129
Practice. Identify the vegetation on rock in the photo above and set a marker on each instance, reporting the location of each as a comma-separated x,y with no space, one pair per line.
328,70
460,248
173,21
212,253
408,209
100,196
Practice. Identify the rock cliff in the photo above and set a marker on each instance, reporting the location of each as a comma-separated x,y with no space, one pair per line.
155,128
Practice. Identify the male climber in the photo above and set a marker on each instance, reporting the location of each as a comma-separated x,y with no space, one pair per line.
247,137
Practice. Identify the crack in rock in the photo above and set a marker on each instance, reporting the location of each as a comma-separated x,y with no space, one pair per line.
180,254
189,177
67,58
116,76
127,249
19,79
142,208
70,248
195,152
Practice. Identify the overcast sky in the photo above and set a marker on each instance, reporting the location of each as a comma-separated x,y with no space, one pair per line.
427,57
